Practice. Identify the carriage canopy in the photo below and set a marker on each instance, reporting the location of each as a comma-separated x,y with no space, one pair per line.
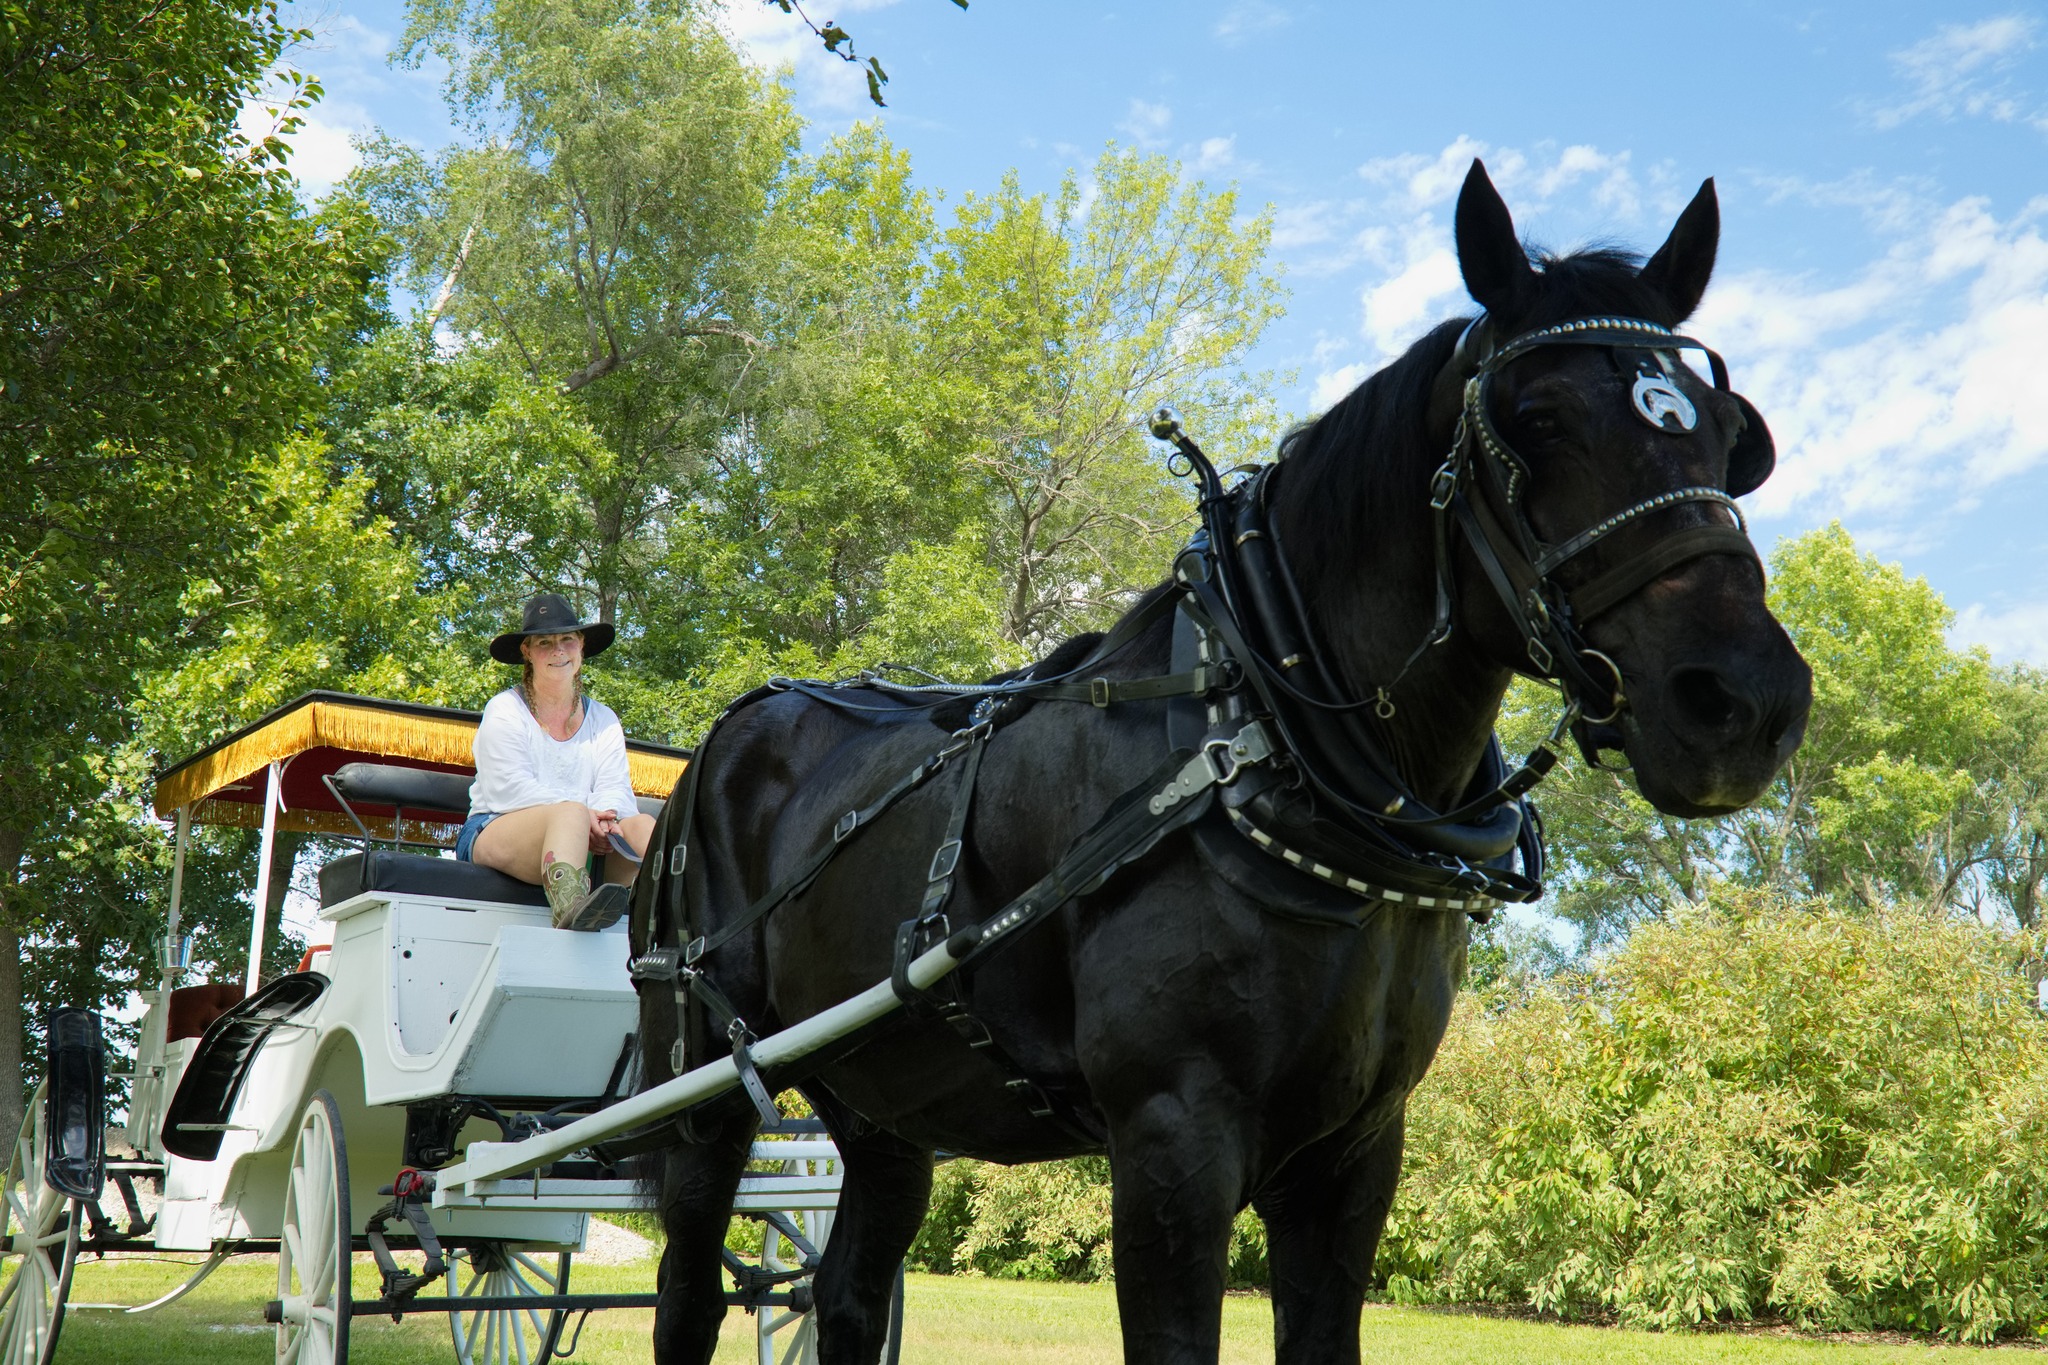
272,774
311,738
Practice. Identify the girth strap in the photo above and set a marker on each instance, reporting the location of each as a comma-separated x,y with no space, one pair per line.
946,858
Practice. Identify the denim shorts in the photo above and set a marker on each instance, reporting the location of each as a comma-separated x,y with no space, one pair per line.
465,842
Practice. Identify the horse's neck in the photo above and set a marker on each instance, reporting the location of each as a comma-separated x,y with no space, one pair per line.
1372,617
1444,714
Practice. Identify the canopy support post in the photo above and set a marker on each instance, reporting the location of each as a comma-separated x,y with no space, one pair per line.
261,910
170,972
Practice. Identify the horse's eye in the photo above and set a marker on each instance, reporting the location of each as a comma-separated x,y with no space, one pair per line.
1540,426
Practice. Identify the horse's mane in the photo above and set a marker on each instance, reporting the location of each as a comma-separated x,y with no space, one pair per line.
1369,458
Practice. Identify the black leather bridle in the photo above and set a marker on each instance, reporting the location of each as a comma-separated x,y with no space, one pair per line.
1520,565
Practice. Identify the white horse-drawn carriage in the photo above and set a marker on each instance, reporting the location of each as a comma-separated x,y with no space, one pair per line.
437,1014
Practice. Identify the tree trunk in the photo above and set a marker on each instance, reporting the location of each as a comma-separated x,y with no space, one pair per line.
11,1106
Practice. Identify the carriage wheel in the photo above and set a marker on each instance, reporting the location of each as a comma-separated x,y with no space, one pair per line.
784,1336
505,1336
38,1247
313,1256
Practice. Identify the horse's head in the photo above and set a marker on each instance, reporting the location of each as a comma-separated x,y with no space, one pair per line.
1596,477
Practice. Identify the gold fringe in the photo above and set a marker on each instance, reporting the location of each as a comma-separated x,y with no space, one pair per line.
247,815
655,774
362,729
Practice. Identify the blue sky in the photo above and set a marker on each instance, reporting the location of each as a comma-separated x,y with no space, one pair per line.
1883,172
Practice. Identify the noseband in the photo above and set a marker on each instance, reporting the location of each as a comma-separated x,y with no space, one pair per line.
1520,564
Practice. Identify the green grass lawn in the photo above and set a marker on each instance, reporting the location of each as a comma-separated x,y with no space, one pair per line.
950,1320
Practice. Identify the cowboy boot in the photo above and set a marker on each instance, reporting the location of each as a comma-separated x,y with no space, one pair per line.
575,905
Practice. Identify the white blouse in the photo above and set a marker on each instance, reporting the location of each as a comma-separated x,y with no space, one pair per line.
518,764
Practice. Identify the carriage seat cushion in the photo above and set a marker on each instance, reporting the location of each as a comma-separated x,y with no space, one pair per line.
387,784
383,870
193,1008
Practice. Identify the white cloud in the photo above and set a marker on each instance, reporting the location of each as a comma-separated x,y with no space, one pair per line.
349,58
1615,190
1906,395
1902,394
1332,385
1146,123
1530,180
2020,633
321,153
1406,242
1423,288
1304,225
1956,72
1216,154
1247,17
1424,181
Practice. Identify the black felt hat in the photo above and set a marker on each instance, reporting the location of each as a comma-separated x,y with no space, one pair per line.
549,613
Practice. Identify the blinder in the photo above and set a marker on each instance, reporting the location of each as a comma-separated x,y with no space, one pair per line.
1755,454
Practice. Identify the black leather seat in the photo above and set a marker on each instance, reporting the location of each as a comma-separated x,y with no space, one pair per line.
383,870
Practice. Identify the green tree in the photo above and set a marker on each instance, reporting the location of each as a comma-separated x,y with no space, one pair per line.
1920,779
164,308
601,241
846,454
316,593
1766,1108
947,468
1069,326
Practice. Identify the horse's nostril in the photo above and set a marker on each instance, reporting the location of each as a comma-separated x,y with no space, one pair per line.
1706,700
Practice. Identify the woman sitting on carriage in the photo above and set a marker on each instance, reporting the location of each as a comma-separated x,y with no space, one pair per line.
552,785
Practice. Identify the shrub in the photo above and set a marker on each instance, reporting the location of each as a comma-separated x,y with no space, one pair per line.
1761,1109
1048,1221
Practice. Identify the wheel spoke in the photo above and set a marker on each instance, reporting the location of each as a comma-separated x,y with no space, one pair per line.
294,1255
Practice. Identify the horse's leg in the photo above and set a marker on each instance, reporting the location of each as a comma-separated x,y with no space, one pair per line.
1178,1177
699,1183
1324,1211
882,1202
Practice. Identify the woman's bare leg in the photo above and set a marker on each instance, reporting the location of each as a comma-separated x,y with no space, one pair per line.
637,830
519,843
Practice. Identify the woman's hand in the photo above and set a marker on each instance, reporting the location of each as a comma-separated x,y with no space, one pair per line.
602,823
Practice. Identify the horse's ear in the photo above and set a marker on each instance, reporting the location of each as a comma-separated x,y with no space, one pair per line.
1683,265
1490,256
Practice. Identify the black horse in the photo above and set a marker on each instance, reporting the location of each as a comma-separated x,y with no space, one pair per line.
1229,1027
